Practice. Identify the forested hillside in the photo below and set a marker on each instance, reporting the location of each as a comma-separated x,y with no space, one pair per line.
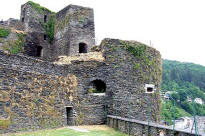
180,73
185,79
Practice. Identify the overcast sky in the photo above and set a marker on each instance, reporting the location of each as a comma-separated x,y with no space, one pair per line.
175,27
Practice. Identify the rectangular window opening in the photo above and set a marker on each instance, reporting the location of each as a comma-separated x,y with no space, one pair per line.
45,37
45,18
149,88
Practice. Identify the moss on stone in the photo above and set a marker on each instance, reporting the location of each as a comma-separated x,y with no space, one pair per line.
142,53
4,123
38,7
136,66
80,16
91,90
65,22
4,96
139,51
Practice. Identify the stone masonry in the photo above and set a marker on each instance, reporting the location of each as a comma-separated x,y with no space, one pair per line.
74,27
70,81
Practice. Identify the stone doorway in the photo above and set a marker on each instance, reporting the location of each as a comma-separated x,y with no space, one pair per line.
69,114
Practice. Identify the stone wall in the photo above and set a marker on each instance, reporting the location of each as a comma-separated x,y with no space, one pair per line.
74,25
29,64
32,18
125,69
131,65
125,77
32,100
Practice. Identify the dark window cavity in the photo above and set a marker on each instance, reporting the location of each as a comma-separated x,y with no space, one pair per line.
82,48
69,115
45,37
45,18
22,19
23,15
149,88
39,51
97,86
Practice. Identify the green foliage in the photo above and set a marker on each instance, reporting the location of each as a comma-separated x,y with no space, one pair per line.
116,66
136,66
112,48
139,51
38,7
16,46
50,27
4,32
175,96
183,72
167,112
35,100
185,79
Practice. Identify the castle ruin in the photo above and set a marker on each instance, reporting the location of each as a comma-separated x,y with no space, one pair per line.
62,78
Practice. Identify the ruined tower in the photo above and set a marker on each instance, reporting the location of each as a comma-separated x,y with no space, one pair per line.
49,35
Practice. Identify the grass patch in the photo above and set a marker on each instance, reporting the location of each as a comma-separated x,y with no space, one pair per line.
70,132
4,32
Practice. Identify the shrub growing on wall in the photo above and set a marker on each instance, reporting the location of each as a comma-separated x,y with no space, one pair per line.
15,47
50,27
4,32
38,7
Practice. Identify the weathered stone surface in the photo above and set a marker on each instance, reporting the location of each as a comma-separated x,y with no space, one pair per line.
72,25
36,83
32,100
36,93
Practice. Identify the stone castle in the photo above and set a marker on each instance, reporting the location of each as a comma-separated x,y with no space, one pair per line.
62,78
73,33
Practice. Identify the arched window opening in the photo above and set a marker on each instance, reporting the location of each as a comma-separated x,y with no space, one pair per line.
39,51
97,86
82,48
